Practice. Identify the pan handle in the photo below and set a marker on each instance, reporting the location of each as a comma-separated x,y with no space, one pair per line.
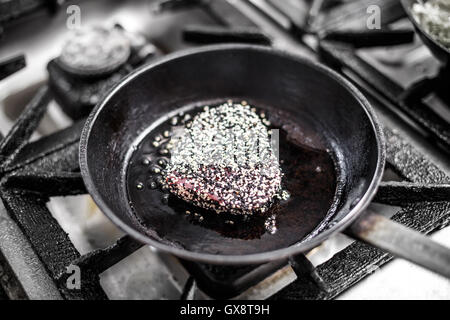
401,241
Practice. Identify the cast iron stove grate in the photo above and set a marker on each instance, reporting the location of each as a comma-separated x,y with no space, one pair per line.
32,172
343,36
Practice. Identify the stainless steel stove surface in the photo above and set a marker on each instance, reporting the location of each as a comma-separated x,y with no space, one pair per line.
128,271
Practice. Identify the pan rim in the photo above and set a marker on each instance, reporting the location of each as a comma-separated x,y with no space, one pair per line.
253,258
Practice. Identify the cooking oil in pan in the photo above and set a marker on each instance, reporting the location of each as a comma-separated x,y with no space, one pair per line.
307,190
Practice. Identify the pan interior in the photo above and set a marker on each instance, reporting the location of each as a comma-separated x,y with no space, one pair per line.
313,102
441,52
309,178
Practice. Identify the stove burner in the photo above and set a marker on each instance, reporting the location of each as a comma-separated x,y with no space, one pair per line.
92,63
95,51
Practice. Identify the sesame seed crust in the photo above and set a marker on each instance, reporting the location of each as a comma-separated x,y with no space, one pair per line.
222,160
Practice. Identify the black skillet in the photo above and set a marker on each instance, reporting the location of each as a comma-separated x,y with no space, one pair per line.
441,52
314,98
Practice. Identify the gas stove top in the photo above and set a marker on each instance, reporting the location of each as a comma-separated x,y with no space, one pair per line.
49,224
